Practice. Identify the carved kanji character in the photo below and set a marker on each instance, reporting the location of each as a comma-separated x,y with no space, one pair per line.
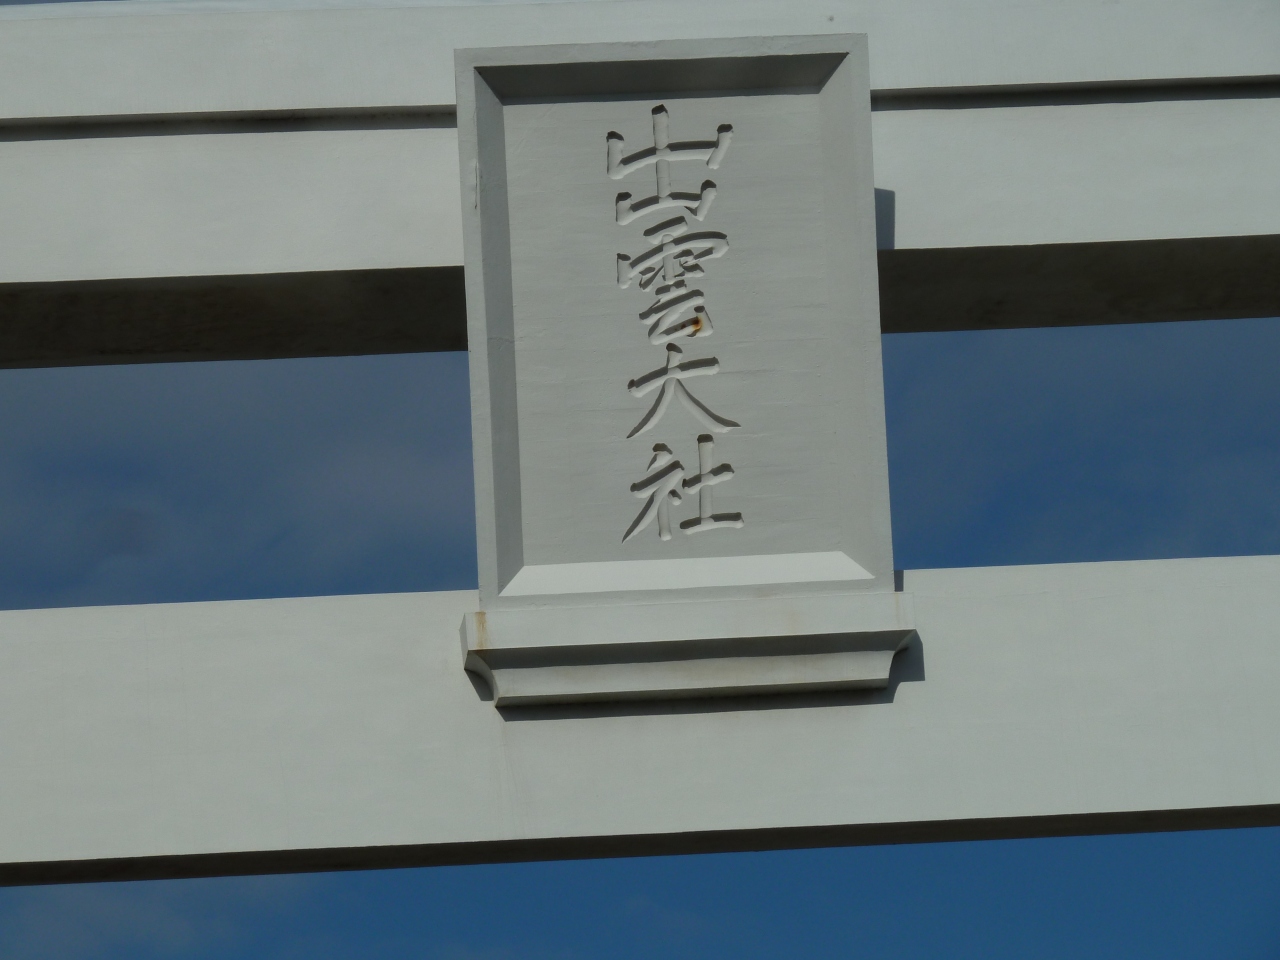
667,379
661,488
701,484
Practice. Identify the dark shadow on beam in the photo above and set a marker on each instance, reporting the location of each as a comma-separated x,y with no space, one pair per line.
1079,284
252,317
997,96
581,848
414,310
231,122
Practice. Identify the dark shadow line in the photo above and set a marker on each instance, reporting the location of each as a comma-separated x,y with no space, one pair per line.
415,309
241,317
228,122
1078,284
333,859
1071,94
908,667
445,115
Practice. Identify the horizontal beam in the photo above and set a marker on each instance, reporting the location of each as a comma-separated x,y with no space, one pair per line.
1027,196
414,310
122,57
342,732
1034,171
219,197
336,190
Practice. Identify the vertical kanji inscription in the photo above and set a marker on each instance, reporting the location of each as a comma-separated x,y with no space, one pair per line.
675,256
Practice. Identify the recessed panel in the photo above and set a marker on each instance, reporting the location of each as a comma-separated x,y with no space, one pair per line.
688,324
678,308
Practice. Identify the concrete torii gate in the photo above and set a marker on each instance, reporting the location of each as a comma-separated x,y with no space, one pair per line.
195,181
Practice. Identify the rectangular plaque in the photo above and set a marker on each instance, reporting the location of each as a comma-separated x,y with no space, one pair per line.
677,394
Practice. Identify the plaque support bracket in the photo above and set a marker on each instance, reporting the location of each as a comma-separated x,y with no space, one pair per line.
639,651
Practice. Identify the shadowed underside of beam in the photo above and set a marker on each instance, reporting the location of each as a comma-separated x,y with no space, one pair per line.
1079,284
354,312
251,317
590,848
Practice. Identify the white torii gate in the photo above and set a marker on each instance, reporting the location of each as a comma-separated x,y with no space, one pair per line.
1036,164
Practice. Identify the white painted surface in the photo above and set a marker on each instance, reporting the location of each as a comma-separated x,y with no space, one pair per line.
121,57
693,572
347,721
262,202
208,204
636,618
684,679
1080,173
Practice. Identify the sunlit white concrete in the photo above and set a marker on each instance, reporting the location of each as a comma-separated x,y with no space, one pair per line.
347,722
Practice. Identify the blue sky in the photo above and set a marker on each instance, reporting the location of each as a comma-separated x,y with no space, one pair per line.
274,478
